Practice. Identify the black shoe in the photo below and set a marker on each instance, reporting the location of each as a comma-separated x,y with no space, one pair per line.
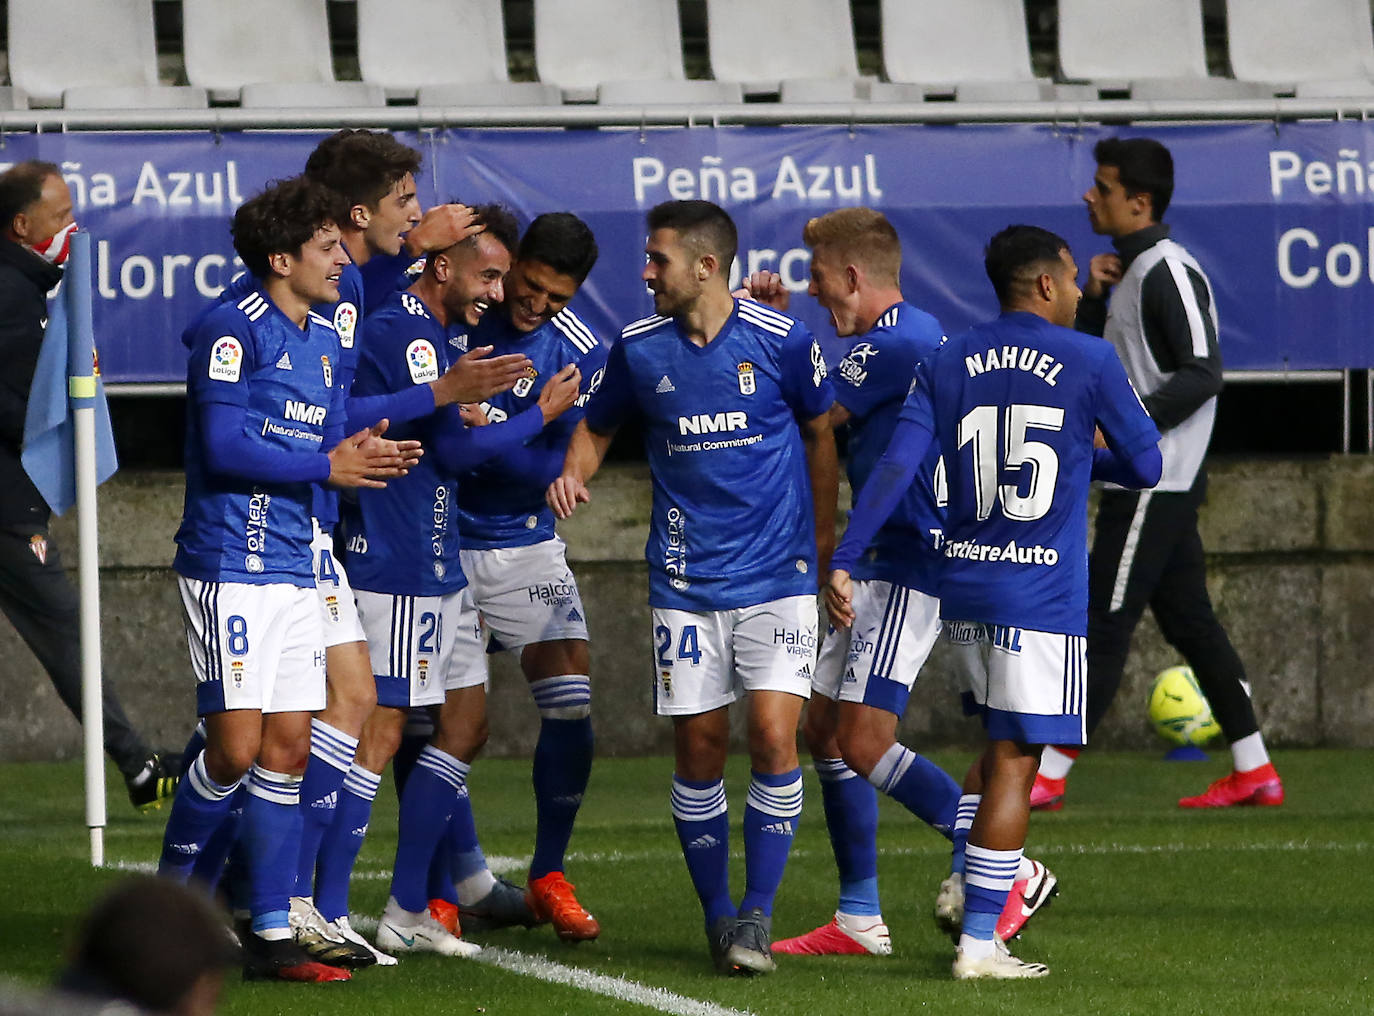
283,960
504,907
154,783
719,936
751,949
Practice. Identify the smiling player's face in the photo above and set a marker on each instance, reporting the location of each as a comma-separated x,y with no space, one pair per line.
475,275
316,267
535,293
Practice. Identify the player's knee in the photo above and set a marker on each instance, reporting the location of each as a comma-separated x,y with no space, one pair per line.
227,763
819,734
860,750
462,740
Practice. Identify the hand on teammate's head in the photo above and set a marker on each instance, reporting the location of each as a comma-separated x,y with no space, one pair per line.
764,287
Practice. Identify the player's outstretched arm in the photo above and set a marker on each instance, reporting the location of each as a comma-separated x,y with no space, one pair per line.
765,287
477,375
586,450
822,462
365,458
441,227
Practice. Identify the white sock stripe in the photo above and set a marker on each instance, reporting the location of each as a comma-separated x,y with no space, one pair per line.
967,809
833,770
361,783
694,804
781,802
279,788
565,690
331,746
452,771
205,787
892,767
994,870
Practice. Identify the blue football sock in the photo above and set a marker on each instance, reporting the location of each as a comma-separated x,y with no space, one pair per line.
198,808
427,804
771,815
851,818
209,869
963,822
342,841
331,754
703,829
459,856
271,839
562,765
988,878
919,785
418,732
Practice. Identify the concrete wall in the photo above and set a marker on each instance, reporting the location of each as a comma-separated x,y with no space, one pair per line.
1292,576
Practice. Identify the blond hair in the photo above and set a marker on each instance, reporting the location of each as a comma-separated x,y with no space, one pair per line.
859,236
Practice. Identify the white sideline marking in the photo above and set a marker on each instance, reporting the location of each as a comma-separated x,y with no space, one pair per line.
601,984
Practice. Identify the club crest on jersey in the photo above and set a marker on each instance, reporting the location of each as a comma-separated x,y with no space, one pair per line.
346,323
226,359
423,362
39,545
746,378
526,384
328,369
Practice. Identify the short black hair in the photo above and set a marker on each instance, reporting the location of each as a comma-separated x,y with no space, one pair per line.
501,223
21,186
1145,167
361,166
282,219
1018,254
563,242
704,226
148,941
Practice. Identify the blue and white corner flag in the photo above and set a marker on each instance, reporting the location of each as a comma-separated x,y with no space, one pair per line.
66,379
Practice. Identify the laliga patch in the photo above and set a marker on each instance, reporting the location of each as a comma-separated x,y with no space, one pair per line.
422,361
746,378
346,323
328,371
226,359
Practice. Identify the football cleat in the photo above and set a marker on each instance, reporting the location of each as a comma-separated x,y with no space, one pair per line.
400,931
949,907
504,907
1047,794
550,898
322,942
154,783
1260,786
283,960
719,936
445,913
1001,965
845,935
343,928
1028,896
750,950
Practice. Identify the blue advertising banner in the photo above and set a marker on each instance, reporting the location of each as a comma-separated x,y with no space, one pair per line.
1279,216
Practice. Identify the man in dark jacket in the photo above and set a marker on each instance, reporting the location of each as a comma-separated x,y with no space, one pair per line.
35,594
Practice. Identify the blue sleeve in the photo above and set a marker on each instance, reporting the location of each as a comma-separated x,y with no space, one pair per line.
383,275
805,383
231,452
877,370
459,447
1141,471
223,357
614,401
399,407
1120,413
889,482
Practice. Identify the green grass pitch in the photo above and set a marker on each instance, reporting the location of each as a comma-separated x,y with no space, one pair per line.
1241,911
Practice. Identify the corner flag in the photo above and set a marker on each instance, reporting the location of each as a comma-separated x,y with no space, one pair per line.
67,378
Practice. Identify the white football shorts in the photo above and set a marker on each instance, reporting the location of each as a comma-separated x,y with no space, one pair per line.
422,646
1028,686
254,647
876,661
338,611
703,661
526,594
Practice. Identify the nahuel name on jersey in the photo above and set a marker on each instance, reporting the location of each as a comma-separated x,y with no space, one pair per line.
1032,361
1008,553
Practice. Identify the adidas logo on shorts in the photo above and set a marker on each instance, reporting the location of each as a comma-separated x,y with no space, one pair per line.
573,615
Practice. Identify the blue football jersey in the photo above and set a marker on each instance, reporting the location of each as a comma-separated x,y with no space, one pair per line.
501,503
403,538
872,381
251,356
1013,404
732,521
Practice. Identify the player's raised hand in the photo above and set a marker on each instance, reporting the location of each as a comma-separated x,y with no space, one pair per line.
366,457
477,375
764,287
443,226
839,599
560,392
1104,271
565,494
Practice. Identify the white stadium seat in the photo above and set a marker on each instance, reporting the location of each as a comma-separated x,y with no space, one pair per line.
667,93
134,97
761,43
1289,42
580,44
229,45
59,44
312,94
1122,40
937,42
491,93
430,42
